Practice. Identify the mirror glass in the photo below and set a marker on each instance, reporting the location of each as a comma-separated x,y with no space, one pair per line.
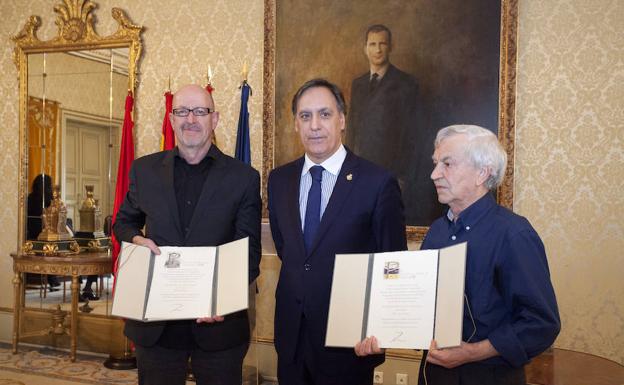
75,106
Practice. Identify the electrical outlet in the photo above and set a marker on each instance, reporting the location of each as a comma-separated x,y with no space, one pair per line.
401,379
378,377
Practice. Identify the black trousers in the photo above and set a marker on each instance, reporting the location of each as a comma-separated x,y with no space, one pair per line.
304,371
164,366
470,374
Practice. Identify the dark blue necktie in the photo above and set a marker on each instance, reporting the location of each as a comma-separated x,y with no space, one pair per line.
374,82
313,208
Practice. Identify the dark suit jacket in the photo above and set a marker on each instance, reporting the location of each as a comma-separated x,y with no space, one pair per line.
228,209
364,215
383,124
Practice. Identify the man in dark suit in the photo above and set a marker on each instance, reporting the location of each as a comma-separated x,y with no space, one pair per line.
329,201
193,195
383,115
385,126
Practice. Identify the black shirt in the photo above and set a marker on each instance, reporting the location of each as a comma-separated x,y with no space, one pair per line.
188,181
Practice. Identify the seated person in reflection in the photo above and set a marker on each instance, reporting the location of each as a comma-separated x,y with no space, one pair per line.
39,198
510,310
87,290
193,195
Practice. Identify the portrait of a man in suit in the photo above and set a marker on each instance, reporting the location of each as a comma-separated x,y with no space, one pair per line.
437,63
383,121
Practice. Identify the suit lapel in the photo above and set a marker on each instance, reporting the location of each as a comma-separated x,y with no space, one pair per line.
341,192
166,177
216,175
292,192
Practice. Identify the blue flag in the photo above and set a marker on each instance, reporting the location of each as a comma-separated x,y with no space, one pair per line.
243,149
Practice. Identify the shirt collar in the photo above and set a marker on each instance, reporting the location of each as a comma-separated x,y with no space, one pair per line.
213,153
380,74
473,213
333,164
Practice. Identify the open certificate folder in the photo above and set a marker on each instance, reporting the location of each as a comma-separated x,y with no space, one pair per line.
404,298
181,282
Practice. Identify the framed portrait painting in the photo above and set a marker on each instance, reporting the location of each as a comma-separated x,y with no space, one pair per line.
450,63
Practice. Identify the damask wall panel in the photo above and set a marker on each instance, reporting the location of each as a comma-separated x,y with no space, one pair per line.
570,160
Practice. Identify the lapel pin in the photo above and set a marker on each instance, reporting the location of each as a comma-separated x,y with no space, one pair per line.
349,176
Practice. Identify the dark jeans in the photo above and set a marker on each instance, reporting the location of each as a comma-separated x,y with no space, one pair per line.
471,374
163,366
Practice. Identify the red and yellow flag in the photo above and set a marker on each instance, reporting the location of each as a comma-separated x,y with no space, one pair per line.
126,156
167,140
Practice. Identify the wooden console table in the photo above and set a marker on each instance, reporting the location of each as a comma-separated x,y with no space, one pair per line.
74,265
567,367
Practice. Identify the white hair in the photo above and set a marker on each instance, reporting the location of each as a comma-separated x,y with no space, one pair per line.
482,149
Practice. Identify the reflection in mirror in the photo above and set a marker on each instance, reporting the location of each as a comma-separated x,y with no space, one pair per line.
75,113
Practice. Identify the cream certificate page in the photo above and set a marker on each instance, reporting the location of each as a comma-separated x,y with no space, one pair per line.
403,298
181,283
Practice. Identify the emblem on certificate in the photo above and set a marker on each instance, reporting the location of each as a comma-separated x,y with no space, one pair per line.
391,270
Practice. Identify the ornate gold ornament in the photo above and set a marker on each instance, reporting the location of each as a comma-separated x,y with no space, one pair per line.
27,247
75,22
74,247
50,249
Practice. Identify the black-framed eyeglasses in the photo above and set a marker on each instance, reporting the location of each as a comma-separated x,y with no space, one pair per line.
197,111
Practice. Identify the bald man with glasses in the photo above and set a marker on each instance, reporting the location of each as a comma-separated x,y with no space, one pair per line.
193,195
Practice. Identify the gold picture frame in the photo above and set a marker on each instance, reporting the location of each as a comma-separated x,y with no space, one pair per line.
505,116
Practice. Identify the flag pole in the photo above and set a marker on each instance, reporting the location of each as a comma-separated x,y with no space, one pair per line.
126,156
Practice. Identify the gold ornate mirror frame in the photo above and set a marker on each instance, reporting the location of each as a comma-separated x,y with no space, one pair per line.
75,23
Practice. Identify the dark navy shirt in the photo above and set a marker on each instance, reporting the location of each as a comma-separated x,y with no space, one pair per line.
507,282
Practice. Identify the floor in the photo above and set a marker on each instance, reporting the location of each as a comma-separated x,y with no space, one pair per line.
43,366
36,365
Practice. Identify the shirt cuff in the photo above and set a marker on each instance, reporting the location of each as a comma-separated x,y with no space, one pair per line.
508,346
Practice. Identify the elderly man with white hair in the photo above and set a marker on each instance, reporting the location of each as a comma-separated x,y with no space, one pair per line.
510,309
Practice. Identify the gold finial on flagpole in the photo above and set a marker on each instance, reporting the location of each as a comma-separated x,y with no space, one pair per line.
245,71
209,87
169,84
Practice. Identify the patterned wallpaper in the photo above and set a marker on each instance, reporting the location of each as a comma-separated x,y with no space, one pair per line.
569,160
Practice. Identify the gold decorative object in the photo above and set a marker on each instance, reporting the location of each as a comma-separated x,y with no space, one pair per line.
90,216
55,219
74,247
54,239
50,248
91,236
58,322
27,247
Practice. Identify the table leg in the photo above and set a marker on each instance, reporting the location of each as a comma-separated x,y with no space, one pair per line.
17,308
75,289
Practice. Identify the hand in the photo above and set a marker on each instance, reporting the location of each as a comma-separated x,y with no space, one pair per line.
210,320
142,241
462,354
368,346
